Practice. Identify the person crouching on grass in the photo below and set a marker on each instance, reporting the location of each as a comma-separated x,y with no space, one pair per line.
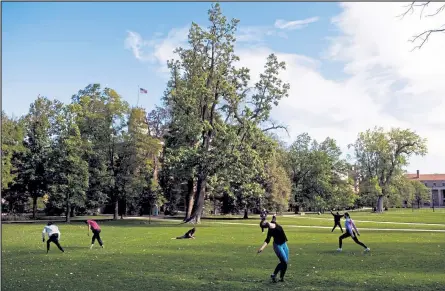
350,227
53,236
95,229
279,246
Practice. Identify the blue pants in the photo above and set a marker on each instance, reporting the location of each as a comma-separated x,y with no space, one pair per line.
282,252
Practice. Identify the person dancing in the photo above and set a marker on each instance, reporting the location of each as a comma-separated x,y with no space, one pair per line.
53,236
351,231
279,246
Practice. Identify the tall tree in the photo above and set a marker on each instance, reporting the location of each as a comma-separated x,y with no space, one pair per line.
12,143
382,155
70,170
138,167
205,93
40,130
13,132
102,118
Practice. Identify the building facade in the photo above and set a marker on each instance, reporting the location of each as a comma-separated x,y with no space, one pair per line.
436,184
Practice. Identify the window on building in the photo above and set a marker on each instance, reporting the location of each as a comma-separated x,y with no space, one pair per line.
434,184
443,184
426,184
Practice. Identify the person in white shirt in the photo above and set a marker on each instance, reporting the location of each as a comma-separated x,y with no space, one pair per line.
53,236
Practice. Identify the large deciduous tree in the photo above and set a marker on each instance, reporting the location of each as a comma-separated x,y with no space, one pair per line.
102,118
382,155
69,169
205,98
40,125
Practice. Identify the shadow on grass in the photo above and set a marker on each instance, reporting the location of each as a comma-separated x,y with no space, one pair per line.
192,270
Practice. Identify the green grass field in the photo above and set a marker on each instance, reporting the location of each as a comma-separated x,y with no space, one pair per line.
139,256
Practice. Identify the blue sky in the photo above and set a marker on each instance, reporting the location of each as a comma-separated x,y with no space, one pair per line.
55,49
346,76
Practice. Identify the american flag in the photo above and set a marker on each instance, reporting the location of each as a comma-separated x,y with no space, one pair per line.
143,91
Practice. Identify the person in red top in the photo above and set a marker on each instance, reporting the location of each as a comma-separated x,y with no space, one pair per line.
95,229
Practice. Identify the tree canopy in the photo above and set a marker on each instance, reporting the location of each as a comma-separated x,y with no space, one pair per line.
210,147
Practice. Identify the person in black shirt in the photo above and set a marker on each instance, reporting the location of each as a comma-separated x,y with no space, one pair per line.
263,217
337,218
279,246
188,234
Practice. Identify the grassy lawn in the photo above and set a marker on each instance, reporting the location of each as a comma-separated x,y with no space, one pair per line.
223,257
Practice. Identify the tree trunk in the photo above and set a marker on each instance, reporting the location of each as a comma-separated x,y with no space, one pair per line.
189,199
116,208
214,205
225,203
246,214
34,207
149,213
198,204
380,204
72,211
68,209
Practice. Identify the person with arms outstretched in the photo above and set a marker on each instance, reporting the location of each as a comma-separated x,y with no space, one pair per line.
351,231
53,236
279,246
95,229
337,218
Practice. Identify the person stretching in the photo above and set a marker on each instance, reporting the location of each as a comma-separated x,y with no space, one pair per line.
53,236
188,234
337,218
95,229
279,246
351,231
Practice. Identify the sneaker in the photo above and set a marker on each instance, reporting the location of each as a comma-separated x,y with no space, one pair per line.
274,278
367,250
339,250
281,279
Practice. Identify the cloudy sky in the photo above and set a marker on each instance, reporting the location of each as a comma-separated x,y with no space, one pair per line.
351,66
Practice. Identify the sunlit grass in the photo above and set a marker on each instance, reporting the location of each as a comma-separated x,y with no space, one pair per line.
142,256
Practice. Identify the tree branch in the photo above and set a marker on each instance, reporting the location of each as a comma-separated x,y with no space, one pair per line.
424,36
277,127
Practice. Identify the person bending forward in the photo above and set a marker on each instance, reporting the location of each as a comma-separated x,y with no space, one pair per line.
279,246
53,236
95,229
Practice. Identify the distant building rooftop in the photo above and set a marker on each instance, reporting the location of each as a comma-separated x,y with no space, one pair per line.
426,177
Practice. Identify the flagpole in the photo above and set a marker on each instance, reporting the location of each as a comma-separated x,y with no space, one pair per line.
139,90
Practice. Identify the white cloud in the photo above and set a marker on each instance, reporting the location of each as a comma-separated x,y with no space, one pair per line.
387,84
295,24
254,33
136,44
157,50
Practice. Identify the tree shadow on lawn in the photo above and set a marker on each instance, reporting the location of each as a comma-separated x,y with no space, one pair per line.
225,266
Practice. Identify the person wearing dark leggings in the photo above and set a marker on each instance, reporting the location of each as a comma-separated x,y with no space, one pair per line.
351,231
279,246
337,218
53,236
95,229
187,235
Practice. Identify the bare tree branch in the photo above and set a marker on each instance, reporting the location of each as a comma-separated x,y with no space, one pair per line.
424,36
274,126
